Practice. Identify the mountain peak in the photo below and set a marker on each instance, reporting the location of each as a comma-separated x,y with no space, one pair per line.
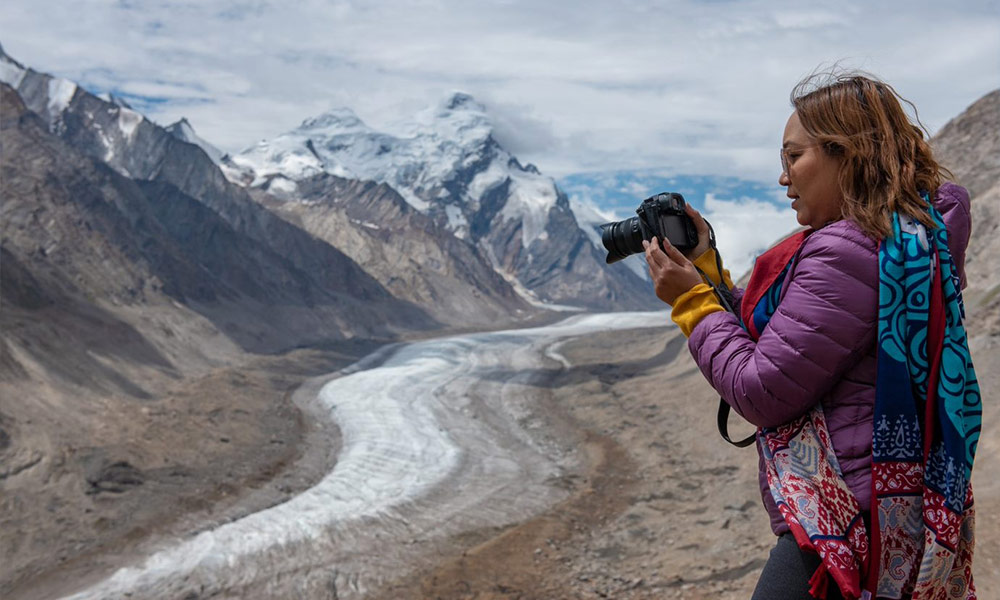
8,58
11,71
462,101
183,130
120,102
459,117
342,118
178,126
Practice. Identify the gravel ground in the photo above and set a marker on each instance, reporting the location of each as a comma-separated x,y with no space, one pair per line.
648,502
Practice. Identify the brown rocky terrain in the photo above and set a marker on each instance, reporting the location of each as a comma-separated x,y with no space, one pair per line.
969,146
92,492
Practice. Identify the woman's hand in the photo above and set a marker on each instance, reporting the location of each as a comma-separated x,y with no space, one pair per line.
672,273
701,226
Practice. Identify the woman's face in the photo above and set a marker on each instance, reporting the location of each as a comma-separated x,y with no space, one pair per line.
811,178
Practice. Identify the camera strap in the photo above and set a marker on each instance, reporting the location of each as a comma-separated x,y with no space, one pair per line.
725,296
723,423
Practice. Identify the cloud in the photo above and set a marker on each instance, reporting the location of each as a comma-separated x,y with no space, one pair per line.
519,132
682,85
745,227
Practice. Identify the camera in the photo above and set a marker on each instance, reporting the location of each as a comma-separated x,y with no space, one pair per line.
662,216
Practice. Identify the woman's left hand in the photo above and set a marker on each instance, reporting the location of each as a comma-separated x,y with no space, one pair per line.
672,273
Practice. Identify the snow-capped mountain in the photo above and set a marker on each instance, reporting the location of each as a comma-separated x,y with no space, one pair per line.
446,163
199,240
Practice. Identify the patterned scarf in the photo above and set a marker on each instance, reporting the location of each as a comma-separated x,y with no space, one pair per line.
922,501
928,413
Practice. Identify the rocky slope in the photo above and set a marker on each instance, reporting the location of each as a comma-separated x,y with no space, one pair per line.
134,279
91,341
293,289
409,253
969,145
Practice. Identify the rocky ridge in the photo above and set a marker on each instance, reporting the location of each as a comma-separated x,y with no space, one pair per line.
305,290
969,146
403,249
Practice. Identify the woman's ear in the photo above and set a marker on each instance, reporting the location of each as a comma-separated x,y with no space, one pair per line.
834,149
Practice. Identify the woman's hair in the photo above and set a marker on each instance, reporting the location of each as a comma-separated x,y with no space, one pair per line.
886,162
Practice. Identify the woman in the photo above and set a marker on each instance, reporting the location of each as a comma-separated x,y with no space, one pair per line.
849,355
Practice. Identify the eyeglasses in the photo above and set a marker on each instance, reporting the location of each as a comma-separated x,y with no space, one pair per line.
786,162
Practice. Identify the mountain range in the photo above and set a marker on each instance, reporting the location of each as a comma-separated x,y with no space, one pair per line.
331,230
447,166
137,259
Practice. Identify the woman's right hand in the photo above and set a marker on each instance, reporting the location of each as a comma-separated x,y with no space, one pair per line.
701,226
672,273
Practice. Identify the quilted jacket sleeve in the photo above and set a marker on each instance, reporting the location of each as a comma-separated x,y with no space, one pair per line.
953,202
824,323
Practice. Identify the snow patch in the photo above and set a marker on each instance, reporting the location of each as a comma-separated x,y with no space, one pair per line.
128,121
486,180
531,199
411,198
365,224
268,160
61,92
240,175
109,146
457,222
283,185
11,74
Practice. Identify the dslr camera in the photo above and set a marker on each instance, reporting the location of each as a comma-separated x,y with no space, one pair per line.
661,216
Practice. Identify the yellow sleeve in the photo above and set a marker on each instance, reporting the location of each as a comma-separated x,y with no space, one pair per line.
706,262
694,304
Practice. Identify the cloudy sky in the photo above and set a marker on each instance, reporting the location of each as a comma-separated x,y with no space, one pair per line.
692,87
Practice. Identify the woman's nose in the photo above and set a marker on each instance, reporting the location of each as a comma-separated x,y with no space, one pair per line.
783,179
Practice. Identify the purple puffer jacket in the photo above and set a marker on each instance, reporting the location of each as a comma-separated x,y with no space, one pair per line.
819,345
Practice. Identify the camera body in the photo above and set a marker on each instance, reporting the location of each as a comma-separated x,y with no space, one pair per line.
662,216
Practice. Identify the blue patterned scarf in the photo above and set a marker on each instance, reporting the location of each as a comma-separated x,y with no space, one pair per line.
926,426
928,414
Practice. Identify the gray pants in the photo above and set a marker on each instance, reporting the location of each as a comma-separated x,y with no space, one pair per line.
787,571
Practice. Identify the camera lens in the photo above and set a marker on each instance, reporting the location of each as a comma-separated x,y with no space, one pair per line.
621,239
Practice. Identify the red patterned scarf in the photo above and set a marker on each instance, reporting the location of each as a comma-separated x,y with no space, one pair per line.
922,509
